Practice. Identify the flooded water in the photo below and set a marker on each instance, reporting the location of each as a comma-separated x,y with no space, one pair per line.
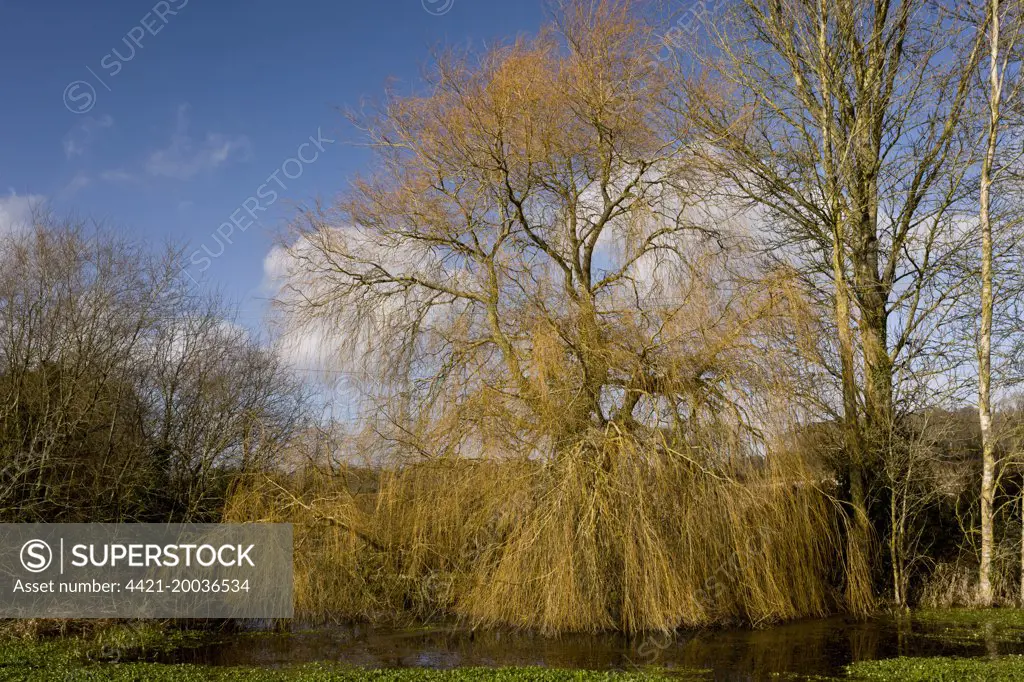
814,647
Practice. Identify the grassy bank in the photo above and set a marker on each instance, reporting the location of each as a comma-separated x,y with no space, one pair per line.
111,654
1002,669
70,659
973,626
957,626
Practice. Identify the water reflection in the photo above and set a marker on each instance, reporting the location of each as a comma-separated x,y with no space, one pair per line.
814,647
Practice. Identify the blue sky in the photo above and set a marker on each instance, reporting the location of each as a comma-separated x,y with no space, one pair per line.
164,118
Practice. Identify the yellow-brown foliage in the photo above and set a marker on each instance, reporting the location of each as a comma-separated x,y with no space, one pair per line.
607,536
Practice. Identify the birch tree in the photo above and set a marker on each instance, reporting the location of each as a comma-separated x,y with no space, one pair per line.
1001,48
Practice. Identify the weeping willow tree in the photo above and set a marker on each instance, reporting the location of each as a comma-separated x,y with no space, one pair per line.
532,273
532,258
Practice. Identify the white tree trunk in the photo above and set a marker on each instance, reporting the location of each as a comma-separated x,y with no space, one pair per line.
985,336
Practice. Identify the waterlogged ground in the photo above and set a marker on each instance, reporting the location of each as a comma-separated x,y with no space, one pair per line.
947,645
819,648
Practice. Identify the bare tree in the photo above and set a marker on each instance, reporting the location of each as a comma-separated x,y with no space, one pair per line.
913,472
220,403
75,310
123,396
1001,49
534,259
845,125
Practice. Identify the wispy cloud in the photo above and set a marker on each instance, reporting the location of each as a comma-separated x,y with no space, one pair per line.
118,175
16,211
82,180
185,158
79,182
307,348
82,135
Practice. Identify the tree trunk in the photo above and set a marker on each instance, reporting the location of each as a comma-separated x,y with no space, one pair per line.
872,301
985,335
894,552
858,571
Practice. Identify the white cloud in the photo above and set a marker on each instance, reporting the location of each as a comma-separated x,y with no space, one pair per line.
79,182
312,346
118,175
16,211
184,158
82,135
345,339
276,266
299,348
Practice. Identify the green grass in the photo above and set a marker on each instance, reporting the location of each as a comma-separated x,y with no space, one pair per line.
964,626
973,625
81,659
1003,617
1000,669
319,673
